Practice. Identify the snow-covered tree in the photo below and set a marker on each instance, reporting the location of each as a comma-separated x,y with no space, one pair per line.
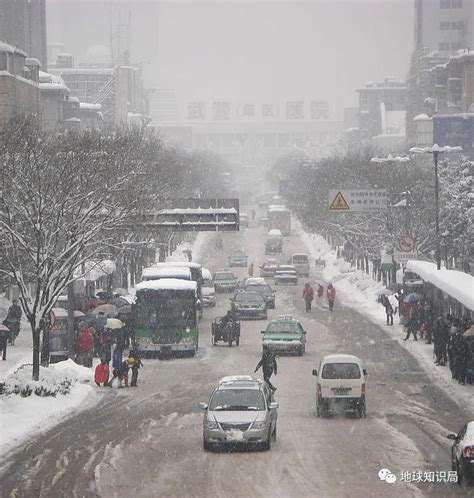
64,199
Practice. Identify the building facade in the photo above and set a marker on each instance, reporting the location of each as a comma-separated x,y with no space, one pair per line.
23,25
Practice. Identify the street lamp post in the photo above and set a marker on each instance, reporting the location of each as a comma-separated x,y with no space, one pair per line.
436,150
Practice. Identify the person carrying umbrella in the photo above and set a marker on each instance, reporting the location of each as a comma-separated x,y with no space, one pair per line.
85,346
385,302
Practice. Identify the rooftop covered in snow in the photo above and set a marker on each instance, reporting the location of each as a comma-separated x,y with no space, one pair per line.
456,284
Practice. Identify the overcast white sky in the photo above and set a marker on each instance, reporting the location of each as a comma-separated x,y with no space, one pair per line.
251,50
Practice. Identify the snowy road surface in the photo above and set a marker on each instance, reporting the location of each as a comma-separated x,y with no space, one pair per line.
147,442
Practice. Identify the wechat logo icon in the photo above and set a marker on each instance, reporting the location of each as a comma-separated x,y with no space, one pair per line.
387,476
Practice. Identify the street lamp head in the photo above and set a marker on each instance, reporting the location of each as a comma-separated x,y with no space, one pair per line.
435,149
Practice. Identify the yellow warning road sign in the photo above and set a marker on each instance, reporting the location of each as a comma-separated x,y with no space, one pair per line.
339,203
357,200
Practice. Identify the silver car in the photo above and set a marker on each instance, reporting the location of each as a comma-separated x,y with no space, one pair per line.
241,410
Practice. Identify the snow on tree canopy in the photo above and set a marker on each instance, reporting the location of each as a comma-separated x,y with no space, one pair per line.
455,283
167,284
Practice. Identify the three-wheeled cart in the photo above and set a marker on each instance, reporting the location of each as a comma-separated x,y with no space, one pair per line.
226,331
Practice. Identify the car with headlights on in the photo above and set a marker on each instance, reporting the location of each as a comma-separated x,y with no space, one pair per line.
240,411
462,453
247,304
285,334
286,274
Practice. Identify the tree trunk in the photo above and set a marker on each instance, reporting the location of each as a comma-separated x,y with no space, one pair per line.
36,350
45,349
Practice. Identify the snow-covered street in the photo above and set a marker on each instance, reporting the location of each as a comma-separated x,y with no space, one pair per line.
148,441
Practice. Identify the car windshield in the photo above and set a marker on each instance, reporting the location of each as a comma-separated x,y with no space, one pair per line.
260,289
248,297
207,283
237,400
284,327
224,276
341,371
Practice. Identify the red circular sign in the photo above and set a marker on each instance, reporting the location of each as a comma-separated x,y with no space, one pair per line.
407,243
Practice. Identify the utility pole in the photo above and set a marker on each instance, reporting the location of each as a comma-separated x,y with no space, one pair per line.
71,333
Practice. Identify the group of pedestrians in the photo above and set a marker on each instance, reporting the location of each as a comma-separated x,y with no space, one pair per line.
120,369
453,348
308,295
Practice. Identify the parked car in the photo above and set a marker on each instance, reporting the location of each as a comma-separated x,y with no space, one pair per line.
301,262
249,305
285,334
241,410
224,281
208,290
243,220
462,453
238,258
263,289
286,274
341,381
274,242
269,268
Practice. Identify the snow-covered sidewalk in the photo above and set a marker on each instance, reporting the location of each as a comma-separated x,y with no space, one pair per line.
357,290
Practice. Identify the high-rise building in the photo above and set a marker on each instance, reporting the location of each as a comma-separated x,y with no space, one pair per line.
444,25
23,25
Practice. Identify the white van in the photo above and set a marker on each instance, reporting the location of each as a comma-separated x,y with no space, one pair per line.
208,291
301,262
341,381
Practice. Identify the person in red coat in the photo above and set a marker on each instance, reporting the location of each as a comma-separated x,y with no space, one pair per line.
84,346
102,374
331,295
308,295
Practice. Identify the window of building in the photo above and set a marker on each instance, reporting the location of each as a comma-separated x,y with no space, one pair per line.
445,4
456,4
458,25
444,47
444,25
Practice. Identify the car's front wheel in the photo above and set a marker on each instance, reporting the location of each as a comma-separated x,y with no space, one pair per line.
207,446
268,443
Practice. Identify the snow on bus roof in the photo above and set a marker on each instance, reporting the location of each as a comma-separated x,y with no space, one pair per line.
455,283
167,271
189,264
167,283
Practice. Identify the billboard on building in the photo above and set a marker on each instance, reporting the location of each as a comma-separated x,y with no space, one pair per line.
295,109
319,109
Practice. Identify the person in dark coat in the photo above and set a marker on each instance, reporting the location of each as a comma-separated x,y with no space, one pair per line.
453,351
12,321
411,324
135,367
269,365
440,341
463,359
320,291
4,335
331,295
384,300
308,296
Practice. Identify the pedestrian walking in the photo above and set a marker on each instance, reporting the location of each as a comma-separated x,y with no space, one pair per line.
84,346
384,300
463,359
253,214
251,270
320,291
269,365
4,335
308,295
440,342
137,363
411,325
102,374
331,295
12,321
454,351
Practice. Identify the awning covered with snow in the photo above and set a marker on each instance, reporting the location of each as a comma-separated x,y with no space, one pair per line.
456,284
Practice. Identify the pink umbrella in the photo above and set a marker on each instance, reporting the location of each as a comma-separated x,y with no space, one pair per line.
78,314
4,327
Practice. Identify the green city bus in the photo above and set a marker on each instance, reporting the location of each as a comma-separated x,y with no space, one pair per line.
165,317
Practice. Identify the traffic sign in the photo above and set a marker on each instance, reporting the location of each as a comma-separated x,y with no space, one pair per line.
357,200
403,257
407,243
